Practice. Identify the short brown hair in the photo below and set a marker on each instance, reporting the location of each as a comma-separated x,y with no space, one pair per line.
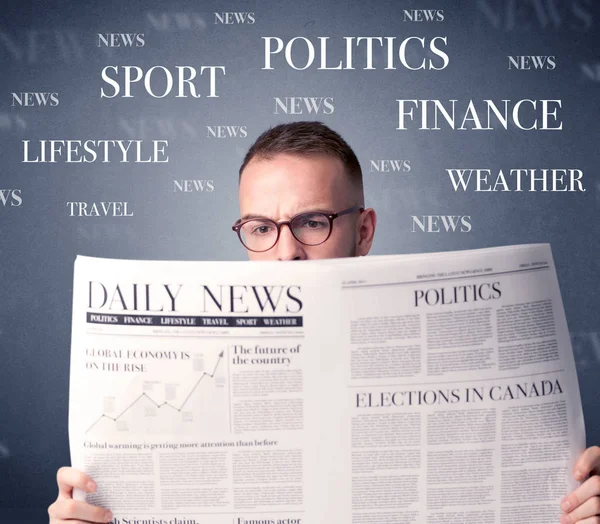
305,138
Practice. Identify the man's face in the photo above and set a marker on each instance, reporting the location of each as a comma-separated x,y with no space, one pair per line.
286,185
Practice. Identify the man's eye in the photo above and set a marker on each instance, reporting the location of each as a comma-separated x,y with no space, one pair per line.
261,230
313,224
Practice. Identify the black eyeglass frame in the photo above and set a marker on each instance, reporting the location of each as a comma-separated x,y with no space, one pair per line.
330,216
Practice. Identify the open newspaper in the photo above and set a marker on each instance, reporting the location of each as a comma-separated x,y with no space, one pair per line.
436,389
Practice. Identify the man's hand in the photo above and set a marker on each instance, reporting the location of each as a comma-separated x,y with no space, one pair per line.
66,510
582,505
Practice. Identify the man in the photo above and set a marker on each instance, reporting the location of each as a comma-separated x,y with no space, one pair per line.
301,197
297,168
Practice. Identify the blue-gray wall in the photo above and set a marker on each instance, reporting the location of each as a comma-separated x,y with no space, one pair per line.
54,48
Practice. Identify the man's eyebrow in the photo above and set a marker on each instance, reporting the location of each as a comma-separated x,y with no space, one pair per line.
251,216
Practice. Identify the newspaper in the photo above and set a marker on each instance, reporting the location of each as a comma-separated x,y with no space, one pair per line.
436,389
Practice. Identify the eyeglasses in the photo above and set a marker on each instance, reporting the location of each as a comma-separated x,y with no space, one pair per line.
310,229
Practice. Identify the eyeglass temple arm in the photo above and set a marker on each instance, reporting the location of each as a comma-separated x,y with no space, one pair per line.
350,210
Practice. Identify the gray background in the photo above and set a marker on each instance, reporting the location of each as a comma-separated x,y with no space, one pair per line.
54,49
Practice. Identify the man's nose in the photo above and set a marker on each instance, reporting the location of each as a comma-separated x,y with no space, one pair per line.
288,248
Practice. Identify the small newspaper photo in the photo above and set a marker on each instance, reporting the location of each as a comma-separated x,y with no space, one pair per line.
394,389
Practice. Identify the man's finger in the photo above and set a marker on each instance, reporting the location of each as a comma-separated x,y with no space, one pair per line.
75,522
588,490
78,509
69,478
81,522
587,462
591,520
590,508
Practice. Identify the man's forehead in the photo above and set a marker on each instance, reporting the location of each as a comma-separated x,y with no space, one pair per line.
288,184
